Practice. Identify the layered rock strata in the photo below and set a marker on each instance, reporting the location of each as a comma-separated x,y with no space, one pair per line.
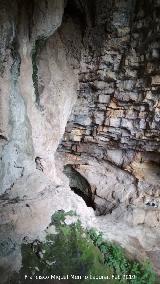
79,87
116,117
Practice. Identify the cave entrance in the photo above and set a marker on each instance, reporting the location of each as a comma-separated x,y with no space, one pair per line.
79,185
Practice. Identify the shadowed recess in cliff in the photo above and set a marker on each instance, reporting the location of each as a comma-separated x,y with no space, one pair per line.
80,185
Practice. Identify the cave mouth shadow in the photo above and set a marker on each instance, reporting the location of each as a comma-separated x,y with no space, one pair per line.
79,185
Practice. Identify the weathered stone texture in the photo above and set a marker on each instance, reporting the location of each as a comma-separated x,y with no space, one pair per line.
119,81
116,116
84,76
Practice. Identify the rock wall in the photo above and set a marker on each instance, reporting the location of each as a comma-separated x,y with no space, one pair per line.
19,34
116,118
118,101
38,86
83,77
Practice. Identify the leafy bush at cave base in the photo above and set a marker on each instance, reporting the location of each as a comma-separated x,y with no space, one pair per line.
74,252
114,257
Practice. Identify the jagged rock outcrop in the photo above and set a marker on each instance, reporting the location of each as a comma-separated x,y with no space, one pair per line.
79,87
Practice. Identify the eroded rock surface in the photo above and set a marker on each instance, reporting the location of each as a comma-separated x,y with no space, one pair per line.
116,116
79,87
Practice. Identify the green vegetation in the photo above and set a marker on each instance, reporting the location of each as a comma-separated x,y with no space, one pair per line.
71,250
39,44
114,257
2,67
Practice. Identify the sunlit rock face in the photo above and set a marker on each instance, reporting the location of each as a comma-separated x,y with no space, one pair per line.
19,76
39,85
79,86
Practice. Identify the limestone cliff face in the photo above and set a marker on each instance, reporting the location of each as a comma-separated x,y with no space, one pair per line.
116,117
79,87
118,99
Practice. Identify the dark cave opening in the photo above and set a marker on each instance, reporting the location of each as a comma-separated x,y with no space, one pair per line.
80,185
